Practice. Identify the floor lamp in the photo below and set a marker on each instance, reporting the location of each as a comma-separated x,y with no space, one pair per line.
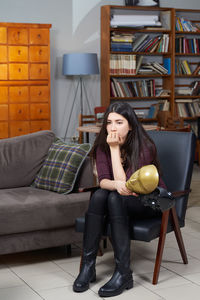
79,64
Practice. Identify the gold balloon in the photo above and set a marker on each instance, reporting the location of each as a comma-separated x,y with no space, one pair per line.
144,180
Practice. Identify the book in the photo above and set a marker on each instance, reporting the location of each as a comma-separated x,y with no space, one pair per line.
138,63
167,64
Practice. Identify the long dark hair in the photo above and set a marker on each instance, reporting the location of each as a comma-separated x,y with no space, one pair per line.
137,141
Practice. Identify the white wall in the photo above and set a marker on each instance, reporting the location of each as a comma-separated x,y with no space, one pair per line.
75,28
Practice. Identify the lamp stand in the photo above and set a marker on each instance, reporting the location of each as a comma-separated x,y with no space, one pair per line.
82,89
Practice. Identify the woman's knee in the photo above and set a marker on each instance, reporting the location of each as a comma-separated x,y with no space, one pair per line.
116,204
98,201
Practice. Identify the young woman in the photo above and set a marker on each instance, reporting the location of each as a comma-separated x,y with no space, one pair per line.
121,148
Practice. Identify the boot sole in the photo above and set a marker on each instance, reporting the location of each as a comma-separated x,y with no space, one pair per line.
85,287
127,286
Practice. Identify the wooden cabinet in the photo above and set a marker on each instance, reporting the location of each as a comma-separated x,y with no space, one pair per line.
24,78
167,83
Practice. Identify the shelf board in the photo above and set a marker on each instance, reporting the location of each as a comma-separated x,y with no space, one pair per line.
186,97
187,76
187,54
140,98
188,32
136,30
141,76
142,53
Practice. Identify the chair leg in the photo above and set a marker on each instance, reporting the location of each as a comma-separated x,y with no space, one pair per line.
178,235
163,231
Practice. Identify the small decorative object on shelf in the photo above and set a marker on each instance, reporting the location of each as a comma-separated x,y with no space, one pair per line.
142,2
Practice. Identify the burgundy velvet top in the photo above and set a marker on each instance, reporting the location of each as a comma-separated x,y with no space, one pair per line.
104,166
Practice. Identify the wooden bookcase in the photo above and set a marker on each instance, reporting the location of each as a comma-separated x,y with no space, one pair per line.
191,55
24,78
165,82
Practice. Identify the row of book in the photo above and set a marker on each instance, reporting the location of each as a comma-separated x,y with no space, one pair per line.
147,43
122,64
140,43
132,88
192,90
182,67
185,45
187,108
125,64
183,24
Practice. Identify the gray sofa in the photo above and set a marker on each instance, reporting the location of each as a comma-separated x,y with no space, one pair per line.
32,218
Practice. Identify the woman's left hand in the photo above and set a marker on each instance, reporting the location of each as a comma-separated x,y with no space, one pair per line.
121,188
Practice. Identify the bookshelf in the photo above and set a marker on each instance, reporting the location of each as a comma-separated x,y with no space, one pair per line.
157,47
187,49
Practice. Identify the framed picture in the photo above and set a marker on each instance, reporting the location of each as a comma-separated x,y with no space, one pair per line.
142,2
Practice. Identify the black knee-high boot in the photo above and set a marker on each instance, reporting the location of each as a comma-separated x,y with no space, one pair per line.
91,239
122,278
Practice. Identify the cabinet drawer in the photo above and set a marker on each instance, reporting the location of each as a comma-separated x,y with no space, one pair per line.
3,35
3,130
39,111
18,94
3,72
19,128
39,36
18,53
3,94
3,112
19,112
18,36
18,71
3,54
39,125
39,93
39,71
38,54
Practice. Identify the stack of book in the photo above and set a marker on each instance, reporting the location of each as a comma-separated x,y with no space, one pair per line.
122,42
182,67
185,45
147,43
134,20
192,90
122,64
183,24
153,68
124,88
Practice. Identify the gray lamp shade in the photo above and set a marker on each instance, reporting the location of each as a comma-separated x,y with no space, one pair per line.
80,64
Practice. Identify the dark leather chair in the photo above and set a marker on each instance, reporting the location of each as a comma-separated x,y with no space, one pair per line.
176,154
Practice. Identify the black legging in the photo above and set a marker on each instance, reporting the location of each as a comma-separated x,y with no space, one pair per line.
104,202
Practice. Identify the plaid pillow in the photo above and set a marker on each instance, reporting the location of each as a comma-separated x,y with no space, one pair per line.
61,167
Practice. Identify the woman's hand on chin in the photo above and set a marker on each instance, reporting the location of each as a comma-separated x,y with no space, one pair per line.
113,139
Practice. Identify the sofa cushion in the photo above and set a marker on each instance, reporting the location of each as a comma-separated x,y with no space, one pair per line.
61,167
29,209
22,157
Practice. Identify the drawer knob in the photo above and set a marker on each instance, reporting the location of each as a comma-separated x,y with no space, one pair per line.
19,111
39,35
40,52
19,70
19,52
20,93
40,93
40,111
20,129
40,70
